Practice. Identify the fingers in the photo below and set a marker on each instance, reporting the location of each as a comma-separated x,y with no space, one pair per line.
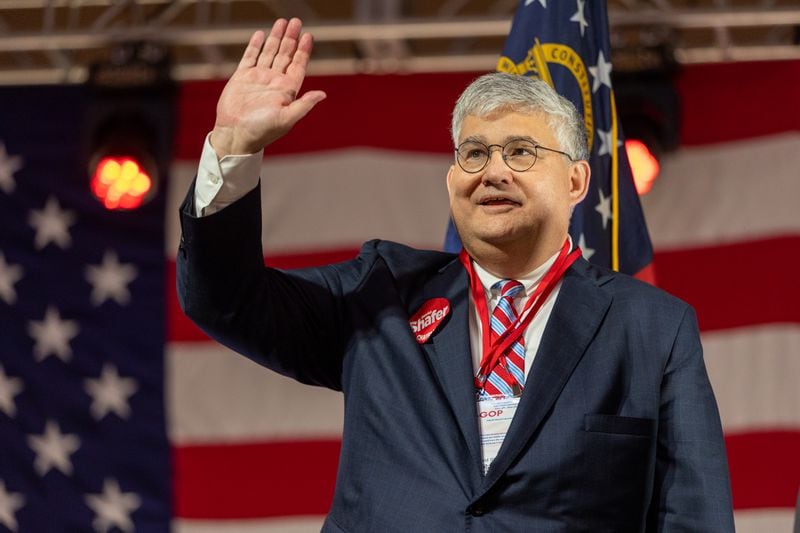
250,55
288,45
273,42
297,68
300,107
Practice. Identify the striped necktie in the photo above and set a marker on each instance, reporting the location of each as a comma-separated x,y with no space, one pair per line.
508,377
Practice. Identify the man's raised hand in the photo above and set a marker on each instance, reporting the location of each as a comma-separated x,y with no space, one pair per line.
259,103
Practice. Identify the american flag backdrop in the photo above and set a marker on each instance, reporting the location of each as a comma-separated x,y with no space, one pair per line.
83,439
116,414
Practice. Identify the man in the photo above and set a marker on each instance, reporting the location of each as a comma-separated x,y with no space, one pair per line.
512,388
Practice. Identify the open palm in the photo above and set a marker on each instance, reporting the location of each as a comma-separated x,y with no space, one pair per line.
259,103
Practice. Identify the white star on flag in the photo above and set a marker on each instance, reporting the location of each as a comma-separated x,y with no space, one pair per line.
580,17
10,503
9,275
543,2
110,279
113,507
9,165
605,142
110,393
601,72
52,335
9,387
604,207
52,225
586,252
53,449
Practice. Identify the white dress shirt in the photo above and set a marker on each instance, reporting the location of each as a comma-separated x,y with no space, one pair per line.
533,333
220,182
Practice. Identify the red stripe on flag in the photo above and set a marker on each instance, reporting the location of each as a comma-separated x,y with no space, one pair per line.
380,111
765,468
311,259
738,109
228,481
258,480
647,274
384,111
181,329
736,285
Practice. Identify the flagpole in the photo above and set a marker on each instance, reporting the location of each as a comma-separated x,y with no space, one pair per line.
614,186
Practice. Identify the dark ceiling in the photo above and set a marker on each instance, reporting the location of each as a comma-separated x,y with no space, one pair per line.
54,41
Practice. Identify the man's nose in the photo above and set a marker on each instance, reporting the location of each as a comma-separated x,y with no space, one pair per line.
497,170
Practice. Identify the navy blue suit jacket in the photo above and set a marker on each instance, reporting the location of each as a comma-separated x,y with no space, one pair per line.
617,429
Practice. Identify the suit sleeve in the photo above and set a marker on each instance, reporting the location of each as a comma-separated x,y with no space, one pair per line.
692,487
290,321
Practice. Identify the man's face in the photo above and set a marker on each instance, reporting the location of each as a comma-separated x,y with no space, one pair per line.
501,207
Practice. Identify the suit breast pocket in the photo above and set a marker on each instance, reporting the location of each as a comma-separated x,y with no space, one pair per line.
619,425
617,464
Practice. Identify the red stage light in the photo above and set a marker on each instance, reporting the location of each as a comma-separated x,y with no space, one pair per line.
120,182
644,165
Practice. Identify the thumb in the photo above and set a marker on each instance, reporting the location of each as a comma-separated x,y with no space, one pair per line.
300,107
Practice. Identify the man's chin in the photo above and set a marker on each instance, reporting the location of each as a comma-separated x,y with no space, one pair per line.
496,238
492,231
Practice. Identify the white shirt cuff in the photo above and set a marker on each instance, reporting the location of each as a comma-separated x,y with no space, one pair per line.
220,182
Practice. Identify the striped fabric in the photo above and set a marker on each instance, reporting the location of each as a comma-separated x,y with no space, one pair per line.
510,370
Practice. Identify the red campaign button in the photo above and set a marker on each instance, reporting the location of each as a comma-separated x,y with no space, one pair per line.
425,321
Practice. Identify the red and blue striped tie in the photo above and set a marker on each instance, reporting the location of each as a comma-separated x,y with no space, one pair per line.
507,378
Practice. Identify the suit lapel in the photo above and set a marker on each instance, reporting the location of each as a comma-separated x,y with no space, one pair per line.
449,354
578,312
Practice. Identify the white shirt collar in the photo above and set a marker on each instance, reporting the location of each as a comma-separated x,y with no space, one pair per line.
529,280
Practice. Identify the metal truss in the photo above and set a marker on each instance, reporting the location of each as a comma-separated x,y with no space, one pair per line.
54,41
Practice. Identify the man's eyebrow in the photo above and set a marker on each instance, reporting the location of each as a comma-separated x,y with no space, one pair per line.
481,139
519,138
475,139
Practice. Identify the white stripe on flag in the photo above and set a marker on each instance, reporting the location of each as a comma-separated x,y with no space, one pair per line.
724,193
273,525
751,520
218,396
327,200
764,520
754,372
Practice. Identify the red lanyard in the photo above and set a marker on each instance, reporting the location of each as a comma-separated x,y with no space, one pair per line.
493,351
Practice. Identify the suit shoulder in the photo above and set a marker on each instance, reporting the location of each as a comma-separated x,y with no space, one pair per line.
401,269
403,260
386,263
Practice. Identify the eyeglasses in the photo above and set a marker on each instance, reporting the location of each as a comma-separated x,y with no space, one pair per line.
519,154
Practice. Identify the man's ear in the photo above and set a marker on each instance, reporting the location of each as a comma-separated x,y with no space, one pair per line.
579,175
449,178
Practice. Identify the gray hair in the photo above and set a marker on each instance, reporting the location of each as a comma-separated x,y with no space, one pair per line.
499,90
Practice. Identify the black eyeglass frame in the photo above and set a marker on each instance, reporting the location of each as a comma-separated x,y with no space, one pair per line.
505,157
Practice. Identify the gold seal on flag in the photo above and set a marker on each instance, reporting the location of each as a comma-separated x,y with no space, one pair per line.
536,64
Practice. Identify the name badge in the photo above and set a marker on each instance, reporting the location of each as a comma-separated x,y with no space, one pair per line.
494,418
